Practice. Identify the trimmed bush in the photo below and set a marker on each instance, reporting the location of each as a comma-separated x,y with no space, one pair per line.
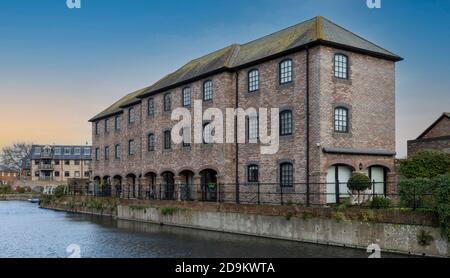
427,164
416,193
59,191
5,190
359,182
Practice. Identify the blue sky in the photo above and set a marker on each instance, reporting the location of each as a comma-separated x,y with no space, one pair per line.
62,66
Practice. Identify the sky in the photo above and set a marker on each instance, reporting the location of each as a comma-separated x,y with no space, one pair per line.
60,66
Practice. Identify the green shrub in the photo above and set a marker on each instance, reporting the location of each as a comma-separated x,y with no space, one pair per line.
417,193
59,191
380,203
427,164
20,190
5,190
168,211
442,197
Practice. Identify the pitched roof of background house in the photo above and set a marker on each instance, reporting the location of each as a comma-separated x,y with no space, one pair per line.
444,115
316,30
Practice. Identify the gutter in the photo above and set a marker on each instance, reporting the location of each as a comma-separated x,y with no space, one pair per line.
236,141
307,130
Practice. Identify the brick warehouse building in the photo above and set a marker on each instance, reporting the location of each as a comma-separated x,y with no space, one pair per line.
336,95
436,137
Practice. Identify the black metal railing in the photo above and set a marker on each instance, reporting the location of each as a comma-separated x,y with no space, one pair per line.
381,194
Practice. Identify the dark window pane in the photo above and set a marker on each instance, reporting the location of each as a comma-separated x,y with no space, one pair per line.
340,66
341,120
286,175
286,71
253,173
286,123
253,81
208,91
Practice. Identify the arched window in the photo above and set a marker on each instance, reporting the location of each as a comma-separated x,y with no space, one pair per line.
151,142
186,96
286,71
341,66
167,140
286,123
286,175
253,173
207,90
341,119
253,80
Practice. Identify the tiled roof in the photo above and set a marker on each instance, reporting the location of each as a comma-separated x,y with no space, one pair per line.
234,56
445,114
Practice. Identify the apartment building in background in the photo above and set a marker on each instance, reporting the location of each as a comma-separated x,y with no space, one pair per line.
58,164
336,95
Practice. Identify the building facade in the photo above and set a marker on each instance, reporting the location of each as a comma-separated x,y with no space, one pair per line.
60,163
336,98
8,176
435,138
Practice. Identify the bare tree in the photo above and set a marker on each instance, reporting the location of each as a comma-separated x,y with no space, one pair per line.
13,156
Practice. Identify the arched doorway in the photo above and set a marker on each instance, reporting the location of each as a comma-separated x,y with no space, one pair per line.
131,186
337,178
151,192
187,188
117,185
96,185
105,187
168,183
378,176
209,185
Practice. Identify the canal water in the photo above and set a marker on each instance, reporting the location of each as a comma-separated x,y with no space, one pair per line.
29,232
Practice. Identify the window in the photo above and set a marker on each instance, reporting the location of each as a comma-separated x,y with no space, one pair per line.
286,71
87,174
131,115
186,94
151,107
57,174
77,162
36,174
66,162
77,174
97,154
87,151
167,140
253,80
253,130
67,174
286,123
37,150
56,162
207,133
167,102
67,151
186,136
340,66
97,128
106,153
117,123
106,125
253,173
131,147
77,151
57,151
117,152
341,120
87,162
151,142
37,162
286,175
207,90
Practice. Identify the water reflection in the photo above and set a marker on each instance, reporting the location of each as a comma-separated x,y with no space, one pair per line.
30,232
